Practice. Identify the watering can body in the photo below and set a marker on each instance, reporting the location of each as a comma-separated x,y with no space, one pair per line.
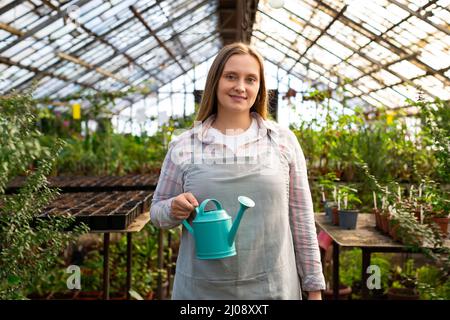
214,232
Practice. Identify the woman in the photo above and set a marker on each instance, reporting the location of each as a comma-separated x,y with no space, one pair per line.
234,150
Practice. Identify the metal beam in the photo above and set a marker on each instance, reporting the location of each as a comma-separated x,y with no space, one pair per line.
386,67
92,18
172,79
420,16
169,52
400,108
301,76
281,67
9,62
358,51
215,36
89,66
97,37
240,16
382,41
300,35
324,30
56,64
194,44
41,26
374,62
11,29
285,54
399,83
10,5
75,60
155,74
173,29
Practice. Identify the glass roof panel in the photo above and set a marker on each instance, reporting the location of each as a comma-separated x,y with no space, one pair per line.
376,45
407,69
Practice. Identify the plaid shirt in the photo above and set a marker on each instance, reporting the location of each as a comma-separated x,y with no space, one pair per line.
301,211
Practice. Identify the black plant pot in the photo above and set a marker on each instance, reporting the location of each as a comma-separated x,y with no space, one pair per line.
348,219
403,294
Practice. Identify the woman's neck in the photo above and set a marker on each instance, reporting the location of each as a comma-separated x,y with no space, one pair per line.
224,122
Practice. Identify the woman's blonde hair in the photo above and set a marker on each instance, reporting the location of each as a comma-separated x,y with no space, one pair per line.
208,104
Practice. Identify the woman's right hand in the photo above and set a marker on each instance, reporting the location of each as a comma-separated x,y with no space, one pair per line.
183,205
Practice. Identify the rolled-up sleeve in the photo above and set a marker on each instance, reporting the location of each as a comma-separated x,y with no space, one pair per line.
169,186
301,215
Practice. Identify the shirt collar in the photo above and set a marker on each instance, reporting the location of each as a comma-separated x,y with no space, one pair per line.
266,127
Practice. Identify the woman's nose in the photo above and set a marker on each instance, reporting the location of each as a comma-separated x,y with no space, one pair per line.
240,87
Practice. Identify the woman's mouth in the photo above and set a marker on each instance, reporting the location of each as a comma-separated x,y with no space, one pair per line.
237,98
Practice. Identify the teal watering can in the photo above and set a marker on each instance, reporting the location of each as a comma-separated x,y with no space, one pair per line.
213,231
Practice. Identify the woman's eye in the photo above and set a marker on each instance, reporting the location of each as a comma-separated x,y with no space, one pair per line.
230,76
251,80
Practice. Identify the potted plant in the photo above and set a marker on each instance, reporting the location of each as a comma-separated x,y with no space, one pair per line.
381,213
327,185
432,206
348,212
393,224
403,283
439,211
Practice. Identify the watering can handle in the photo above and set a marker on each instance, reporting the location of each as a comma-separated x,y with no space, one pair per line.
200,210
202,206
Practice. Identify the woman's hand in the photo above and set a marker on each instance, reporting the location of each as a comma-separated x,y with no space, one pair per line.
315,295
183,205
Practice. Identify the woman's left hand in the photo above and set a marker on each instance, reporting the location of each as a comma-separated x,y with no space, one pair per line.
315,295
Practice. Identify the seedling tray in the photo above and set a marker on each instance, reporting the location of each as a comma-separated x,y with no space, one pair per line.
68,184
114,210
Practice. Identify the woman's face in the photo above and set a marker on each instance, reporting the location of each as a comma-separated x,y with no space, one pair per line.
238,84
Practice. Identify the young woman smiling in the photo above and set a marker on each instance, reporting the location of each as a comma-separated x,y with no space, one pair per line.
246,154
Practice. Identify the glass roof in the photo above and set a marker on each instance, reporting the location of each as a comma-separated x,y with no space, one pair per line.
383,50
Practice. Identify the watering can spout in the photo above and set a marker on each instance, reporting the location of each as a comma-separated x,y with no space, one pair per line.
245,203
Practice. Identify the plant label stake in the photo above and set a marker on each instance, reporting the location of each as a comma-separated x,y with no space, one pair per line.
374,200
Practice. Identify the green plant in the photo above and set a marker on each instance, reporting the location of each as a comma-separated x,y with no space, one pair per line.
328,184
432,284
104,152
351,269
349,198
317,95
404,277
434,200
339,142
144,268
435,118
51,282
92,272
29,246
411,232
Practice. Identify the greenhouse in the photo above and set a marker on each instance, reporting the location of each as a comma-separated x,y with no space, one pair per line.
224,150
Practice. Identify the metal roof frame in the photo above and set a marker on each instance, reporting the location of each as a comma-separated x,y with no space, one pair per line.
382,58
